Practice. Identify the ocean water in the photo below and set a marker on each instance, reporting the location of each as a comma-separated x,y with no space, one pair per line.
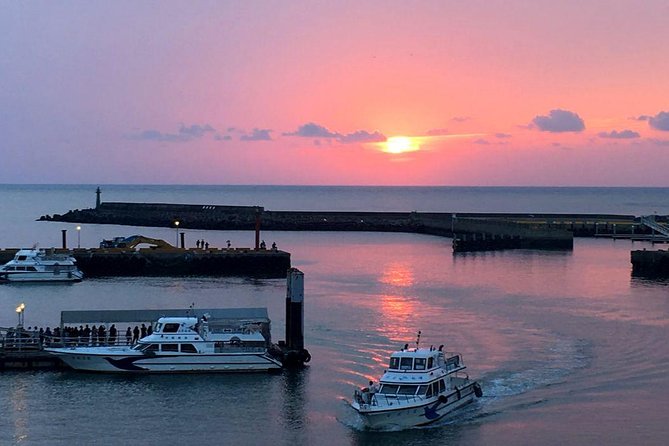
568,347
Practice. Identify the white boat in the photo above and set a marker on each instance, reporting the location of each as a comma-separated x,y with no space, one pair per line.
38,265
420,387
178,345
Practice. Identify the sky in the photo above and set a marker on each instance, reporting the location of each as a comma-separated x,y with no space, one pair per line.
376,92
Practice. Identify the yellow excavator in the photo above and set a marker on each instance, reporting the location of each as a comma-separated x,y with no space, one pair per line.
132,241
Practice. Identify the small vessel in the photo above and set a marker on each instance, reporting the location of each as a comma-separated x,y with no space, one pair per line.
38,265
179,345
420,387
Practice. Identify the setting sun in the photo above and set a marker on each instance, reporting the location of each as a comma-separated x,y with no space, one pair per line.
400,144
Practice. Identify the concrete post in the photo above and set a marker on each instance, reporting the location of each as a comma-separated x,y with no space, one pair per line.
183,240
64,231
295,299
257,229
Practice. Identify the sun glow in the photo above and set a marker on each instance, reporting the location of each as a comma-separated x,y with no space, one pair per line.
400,144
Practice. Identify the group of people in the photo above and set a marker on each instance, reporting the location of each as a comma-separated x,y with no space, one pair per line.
201,244
91,336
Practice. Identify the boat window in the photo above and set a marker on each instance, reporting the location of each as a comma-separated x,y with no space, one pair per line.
21,258
20,268
10,268
31,268
389,389
170,347
442,386
407,390
188,348
419,364
422,390
429,391
171,328
435,388
394,363
159,326
406,363
430,363
149,348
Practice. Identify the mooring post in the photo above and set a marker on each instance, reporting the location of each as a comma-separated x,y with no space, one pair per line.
64,231
257,228
183,240
295,310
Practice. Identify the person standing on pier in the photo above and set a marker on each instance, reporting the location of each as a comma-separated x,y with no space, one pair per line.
128,336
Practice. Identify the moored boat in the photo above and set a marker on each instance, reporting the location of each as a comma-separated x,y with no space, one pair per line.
38,265
420,387
179,345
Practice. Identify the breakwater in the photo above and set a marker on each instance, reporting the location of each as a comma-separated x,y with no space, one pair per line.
470,231
100,262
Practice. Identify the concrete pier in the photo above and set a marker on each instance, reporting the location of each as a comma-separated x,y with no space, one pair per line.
100,262
651,264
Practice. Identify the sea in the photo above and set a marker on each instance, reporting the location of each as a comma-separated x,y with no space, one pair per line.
569,347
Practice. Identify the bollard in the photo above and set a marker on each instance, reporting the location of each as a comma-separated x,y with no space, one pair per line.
64,231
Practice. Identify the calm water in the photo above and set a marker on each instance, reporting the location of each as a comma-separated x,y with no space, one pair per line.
568,347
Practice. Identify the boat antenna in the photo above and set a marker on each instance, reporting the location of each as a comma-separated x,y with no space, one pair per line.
418,339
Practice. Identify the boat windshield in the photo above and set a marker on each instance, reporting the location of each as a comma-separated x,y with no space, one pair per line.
146,347
406,363
407,390
394,363
419,364
388,389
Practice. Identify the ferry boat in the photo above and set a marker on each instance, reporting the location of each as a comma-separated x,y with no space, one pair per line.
420,387
178,345
38,265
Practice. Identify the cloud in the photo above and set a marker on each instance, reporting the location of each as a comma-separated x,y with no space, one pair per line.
460,118
502,135
257,135
660,142
642,118
660,121
623,134
362,136
437,132
559,121
313,130
185,133
481,141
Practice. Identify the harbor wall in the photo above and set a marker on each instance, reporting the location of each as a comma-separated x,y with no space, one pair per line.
652,264
99,262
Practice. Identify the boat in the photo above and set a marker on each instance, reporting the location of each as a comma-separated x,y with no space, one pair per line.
420,387
38,265
179,345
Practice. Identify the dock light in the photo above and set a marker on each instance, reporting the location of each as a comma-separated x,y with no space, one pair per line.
20,310
78,236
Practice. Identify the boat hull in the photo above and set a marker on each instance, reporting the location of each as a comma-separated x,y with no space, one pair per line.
414,415
69,276
125,360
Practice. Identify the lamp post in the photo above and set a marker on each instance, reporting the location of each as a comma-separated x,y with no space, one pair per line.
20,311
176,225
78,236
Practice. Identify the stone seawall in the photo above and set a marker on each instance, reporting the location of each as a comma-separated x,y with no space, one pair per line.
499,230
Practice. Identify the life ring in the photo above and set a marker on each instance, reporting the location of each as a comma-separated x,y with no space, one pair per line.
477,390
305,356
443,399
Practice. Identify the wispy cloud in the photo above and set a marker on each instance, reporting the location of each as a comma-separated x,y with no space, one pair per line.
623,134
313,130
257,135
660,121
185,133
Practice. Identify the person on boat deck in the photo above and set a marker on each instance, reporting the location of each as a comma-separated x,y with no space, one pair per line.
128,336
135,334
143,331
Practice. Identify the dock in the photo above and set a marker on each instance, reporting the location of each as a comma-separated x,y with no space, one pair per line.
22,349
650,263
109,262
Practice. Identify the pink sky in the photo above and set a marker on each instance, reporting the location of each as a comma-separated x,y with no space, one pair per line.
545,93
